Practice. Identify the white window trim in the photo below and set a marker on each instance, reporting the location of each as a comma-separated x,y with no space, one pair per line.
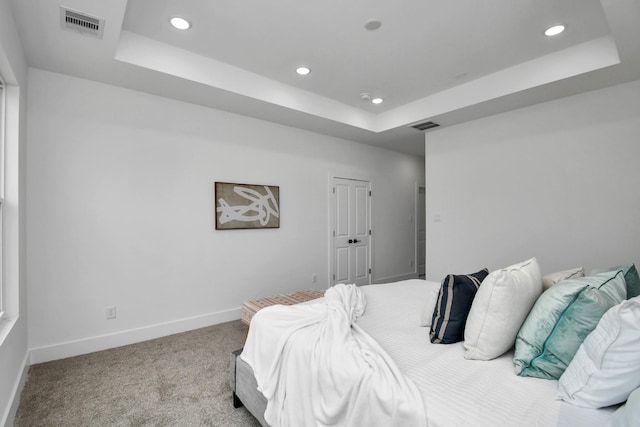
2,181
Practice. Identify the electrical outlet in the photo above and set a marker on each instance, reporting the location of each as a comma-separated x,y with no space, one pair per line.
410,262
314,278
111,312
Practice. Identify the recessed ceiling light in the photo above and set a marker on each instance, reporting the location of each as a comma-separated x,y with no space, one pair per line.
554,31
377,101
303,71
180,23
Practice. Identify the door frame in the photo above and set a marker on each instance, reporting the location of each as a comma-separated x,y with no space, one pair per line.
416,263
332,222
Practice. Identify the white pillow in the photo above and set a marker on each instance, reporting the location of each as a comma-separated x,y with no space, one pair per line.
503,301
605,369
628,414
551,279
429,306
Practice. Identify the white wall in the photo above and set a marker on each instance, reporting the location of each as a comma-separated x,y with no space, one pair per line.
559,181
121,213
13,329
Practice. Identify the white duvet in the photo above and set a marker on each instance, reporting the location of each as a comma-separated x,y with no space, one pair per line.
460,392
315,366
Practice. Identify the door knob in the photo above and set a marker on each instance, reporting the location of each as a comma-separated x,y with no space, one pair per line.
355,240
351,241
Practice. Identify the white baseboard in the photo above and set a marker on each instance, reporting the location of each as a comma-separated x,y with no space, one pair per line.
9,418
391,279
131,336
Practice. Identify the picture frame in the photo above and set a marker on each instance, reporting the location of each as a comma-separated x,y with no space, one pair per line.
246,206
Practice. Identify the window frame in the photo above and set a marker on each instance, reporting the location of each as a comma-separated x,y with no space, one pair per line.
3,113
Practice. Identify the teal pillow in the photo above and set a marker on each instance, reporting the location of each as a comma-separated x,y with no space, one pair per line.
561,319
630,276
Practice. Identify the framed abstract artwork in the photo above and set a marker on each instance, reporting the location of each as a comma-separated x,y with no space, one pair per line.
245,206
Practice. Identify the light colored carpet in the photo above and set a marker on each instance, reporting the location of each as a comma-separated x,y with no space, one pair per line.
180,380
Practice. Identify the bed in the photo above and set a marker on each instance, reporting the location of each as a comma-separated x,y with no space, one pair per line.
456,392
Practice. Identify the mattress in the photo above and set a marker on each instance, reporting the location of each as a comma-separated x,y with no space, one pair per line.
460,392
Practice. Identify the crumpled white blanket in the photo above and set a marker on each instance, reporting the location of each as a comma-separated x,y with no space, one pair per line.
316,367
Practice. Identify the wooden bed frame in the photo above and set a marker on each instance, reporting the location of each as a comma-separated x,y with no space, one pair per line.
245,388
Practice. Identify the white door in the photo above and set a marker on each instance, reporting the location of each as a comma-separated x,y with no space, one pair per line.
351,232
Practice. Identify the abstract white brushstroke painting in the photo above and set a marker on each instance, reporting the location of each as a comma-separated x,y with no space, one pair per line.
241,206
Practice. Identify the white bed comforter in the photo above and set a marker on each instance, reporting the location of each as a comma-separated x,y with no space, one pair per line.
460,392
315,366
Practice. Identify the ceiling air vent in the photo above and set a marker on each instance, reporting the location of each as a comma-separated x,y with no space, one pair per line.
425,125
81,22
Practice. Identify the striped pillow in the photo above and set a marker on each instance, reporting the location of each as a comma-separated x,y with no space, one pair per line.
453,305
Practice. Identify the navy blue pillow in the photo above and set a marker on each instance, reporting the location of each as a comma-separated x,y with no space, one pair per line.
452,308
